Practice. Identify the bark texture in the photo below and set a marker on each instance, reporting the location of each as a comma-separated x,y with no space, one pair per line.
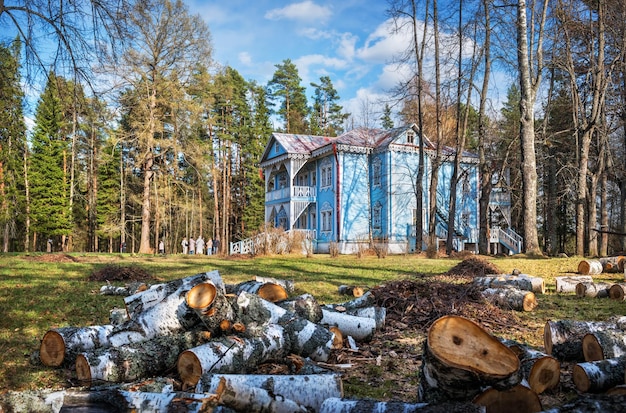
599,376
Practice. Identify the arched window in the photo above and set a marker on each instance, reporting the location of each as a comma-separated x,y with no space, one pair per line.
327,217
376,172
377,216
326,173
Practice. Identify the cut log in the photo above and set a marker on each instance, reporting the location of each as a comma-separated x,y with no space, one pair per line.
592,290
309,391
510,298
288,285
366,300
243,398
563,338
118,316
60,346
136,361
108,400
568,284
520,283
378,314
460,358
213,308
604,344
305,305
360,328
519,399
352,290
590,267
142,301
617,292
599,376
592,404
619,390
231,355
304,338
612,264
268,291
540,371
129,289
538,283
337,405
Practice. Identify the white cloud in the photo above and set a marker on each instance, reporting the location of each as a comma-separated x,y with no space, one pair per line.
303,11
305,64
347,46
315,34
245,58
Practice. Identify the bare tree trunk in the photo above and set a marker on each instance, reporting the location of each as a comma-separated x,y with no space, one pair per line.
27,203
436,161
528,91
122,202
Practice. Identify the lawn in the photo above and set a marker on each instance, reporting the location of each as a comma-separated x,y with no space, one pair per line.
41,291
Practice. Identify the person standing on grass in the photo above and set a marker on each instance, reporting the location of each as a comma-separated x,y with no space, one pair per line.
209,246
192,246
161,247
216,246
200,245
185,245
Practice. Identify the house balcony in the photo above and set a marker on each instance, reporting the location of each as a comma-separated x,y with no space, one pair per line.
294,193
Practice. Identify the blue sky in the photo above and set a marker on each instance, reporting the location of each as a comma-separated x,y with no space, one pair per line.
349,41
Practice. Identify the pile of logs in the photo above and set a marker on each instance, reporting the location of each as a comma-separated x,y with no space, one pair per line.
511,291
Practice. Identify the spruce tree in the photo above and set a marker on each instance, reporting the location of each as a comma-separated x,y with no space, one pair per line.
285,90
327,114
386,121
48,180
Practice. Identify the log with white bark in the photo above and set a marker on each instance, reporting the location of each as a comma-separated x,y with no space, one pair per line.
266,290
460,358
511,298
617,292
108,400
567,284
519,398
337,405
360,328
60,346
305,305
612,264
288,285
309,390
592,290
353,290
118,316
590,267
520,283
142,301
303,337
599,376
604,344
231,355
136,361
213,308
563,338
244,398
378,314
590,403
540,371
366,300
126,290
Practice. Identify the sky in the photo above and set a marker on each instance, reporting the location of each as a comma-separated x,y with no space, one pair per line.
350,41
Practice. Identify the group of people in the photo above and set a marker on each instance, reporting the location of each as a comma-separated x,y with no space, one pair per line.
197,246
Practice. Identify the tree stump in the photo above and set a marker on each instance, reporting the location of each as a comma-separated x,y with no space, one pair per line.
460,358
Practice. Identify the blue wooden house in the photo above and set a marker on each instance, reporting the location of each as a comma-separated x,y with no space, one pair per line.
360,187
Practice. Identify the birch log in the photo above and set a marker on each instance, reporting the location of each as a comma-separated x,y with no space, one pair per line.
519,398
599,376
352,290
590,267
617,292
604,344
592,290
360,328
503,281
337,405
142,301
243,398
366,300
568,284
136,361
212,306
309,390
511,298
460,358
378,314
305,305
268,291
231,355
591,404
129,289
612,264
60,346
563,338
540,371
288,285
304,338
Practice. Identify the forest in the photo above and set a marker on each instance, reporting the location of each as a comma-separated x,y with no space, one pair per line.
139,136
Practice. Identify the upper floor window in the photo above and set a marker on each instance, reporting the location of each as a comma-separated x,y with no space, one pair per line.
466,185
410,137
276,147
326,170
377,216
376,172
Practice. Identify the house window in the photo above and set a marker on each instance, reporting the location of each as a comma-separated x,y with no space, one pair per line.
282,181
377,216
276,147
327,217
327,174
282,219
410,138
376,172
313,178
466,185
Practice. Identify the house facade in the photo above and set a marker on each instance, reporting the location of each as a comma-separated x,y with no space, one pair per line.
361,186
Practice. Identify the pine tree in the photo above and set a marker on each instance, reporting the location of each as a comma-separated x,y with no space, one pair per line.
49,187
327,113
108,192
12,145
285,89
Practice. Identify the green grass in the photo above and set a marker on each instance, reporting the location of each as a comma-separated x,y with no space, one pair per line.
36,295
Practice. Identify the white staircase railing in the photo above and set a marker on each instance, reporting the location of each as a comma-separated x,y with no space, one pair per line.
507,237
